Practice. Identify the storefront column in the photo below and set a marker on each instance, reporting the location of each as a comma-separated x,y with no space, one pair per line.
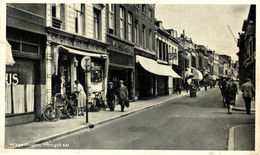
48,71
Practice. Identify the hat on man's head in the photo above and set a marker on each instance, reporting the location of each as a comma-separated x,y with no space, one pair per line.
248,79
121,81
110,83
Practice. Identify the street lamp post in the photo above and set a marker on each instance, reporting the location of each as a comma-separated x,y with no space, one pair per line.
86,65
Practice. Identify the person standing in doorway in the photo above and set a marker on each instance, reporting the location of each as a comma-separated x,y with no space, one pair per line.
122,94
248,93
111,92
81,97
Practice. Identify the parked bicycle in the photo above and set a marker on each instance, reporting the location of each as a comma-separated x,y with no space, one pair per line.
60,106
97,102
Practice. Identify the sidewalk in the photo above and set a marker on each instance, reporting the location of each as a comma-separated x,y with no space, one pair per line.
240,104
242,137
26,135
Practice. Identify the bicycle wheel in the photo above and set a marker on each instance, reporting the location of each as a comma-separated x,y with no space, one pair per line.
51,113
71,111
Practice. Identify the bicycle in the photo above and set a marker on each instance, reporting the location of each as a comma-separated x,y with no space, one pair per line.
60,106
97,102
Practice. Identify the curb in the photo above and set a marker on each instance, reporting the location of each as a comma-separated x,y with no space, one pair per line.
58,135
231,137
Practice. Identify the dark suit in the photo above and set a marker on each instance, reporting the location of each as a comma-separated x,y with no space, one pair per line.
111,92
123,96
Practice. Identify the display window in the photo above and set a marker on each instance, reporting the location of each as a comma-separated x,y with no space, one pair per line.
20,87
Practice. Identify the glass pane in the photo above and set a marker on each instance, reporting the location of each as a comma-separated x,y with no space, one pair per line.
30,38
29,48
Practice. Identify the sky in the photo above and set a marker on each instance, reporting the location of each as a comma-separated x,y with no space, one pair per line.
206,24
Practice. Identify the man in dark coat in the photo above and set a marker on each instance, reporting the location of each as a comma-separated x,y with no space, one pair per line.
230,95
122,95
222,87
111,92
248,93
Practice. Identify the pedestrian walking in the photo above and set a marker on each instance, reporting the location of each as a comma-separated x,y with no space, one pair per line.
234,85
248,94
178,88
122,95
81,95
230,94
222,87
205,84
111,92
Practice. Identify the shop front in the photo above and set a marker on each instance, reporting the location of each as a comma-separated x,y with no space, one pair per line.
23,76
66,60
157,82
121,63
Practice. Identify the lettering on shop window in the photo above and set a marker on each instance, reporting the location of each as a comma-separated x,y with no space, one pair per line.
11,79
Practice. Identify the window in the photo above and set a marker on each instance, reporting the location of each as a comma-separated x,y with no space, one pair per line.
55,12
150,14
193,61
130,18
97,33
24,42
136,32
111,18
150,39
79,18
137,6
122,22
144,36
144,8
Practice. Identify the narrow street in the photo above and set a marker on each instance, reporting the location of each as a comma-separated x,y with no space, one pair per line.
186,123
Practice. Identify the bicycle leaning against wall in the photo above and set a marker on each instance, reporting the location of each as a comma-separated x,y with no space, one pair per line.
61,106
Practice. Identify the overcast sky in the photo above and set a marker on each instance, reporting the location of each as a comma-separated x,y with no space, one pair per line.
206,24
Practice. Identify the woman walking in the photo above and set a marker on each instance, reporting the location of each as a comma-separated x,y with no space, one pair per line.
81,97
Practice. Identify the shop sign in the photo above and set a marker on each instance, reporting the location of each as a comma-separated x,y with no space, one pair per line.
11,79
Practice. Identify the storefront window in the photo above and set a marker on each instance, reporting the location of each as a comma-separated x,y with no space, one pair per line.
20,87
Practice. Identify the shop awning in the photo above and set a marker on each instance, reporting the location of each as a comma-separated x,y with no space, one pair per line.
197,75
155,68
9,55
70,50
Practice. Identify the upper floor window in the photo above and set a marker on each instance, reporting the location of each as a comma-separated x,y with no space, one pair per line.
136,33
144,36
56,15
150,13
129,19
111,18
97,23
79,18
122,22
150,39
137,6
144,8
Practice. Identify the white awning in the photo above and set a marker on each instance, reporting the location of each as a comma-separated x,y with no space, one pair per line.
155,68
70,50
9,55
197,75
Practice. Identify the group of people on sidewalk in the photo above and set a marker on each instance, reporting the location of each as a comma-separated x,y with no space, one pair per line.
229,90
112,93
